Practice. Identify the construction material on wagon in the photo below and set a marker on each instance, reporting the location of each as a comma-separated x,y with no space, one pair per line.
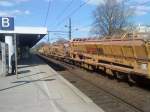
128,54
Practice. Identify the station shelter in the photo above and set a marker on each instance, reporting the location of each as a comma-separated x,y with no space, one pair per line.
18,41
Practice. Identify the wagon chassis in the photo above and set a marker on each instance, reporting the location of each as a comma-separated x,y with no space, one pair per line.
110,69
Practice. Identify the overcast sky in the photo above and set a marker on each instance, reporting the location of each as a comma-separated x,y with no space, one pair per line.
33,13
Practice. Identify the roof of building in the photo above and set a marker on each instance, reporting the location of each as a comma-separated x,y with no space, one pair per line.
26,30
27,36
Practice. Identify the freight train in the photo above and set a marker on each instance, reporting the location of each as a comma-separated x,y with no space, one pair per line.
127,56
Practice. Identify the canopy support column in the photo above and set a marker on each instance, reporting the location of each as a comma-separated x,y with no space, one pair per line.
11,51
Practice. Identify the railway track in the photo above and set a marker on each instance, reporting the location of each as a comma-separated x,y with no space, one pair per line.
110,95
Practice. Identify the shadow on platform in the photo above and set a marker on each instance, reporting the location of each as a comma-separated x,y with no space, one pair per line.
31,75
53,65
30,62
24,71
20,72
25,66
23,82
30,81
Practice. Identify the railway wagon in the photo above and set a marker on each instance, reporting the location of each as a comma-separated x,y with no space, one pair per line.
44,50
59,50
126,55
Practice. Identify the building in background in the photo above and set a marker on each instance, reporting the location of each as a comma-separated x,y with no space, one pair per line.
143,28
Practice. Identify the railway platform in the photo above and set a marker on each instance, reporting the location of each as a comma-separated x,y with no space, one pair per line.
38,88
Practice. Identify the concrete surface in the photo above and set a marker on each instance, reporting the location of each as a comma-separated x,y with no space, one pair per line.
40,89
0,67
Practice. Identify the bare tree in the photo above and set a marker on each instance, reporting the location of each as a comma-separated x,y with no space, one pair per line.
112,17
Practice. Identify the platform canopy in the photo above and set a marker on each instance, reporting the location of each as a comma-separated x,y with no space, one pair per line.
26,36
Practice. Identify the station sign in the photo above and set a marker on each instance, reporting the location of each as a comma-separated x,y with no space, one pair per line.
6,23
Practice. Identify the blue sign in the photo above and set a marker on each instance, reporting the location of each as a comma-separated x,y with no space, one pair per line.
6,23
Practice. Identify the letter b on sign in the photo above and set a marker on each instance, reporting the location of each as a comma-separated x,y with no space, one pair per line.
6,23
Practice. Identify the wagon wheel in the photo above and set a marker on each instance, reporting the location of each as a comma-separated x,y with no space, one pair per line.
117,75
113,76
131,81
120,76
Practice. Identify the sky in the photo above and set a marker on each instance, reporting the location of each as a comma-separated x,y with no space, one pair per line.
33,13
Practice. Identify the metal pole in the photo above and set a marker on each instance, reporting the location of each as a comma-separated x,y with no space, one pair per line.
15,47
70,29
48,37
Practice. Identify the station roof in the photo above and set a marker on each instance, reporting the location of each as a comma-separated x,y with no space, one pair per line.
27,36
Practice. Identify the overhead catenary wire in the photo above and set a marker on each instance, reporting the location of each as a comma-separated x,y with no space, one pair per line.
73,12
47,13
65,9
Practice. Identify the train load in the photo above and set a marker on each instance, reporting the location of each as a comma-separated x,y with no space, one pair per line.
129,54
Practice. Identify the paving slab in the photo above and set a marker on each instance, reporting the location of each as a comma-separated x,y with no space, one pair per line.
41,89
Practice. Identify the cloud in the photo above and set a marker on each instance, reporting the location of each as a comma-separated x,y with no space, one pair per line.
52,0
27,12
47,0
19,1
97,2
10,3
142,2
85,29
14,13
141,7
142,10
6,3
